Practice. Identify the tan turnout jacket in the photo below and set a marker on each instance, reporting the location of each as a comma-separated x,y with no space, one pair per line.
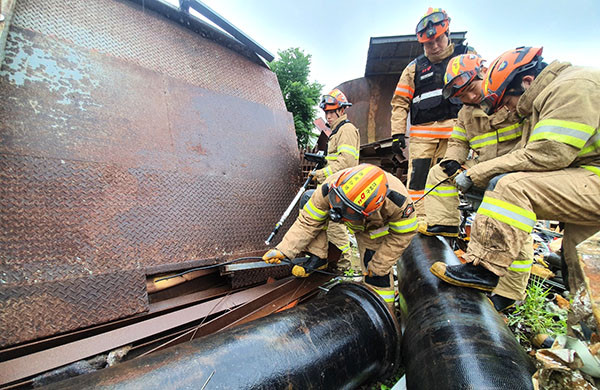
342,150
488,136
389,229
562,105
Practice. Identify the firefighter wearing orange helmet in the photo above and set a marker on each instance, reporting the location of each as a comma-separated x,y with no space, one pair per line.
343,149
485,137
374,205
555,176
419,91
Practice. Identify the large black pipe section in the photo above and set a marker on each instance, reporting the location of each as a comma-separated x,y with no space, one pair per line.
453,338
337,341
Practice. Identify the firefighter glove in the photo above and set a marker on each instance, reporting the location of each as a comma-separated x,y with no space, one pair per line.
450,167
273,256
309,266
463,182
398,143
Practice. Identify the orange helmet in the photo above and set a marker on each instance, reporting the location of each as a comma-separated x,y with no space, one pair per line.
502,72
461,70
336,99
357,193
434,23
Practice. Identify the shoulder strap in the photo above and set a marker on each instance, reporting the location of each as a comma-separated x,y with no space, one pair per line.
342,123
421,62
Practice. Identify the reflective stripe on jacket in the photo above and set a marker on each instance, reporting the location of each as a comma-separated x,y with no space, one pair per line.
389,229
401,102
488,136
342,150
561,106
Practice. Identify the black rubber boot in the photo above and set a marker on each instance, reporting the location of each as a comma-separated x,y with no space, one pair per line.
313,263
465,275
501,303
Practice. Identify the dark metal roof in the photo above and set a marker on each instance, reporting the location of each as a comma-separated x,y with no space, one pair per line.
390,55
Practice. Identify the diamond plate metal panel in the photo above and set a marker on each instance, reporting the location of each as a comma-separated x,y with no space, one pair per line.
140,36
35,309
127,143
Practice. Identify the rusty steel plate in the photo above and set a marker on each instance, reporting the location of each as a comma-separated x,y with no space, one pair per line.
83,301
128,142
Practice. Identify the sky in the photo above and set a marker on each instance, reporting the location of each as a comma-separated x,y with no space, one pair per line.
337,33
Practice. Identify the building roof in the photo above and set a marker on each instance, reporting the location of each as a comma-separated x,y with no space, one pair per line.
390,55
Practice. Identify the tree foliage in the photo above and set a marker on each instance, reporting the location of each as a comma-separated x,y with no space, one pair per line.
300,95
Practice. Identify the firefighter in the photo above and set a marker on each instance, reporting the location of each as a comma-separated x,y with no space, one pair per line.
488,137
555,176
342,152
374,205
419,91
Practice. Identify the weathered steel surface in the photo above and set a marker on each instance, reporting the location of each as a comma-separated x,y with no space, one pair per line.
51,358
453,338
87,300
337,342
133,33
371,109
127,142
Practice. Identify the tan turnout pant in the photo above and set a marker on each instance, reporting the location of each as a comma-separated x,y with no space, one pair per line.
441,208
512,204
337,234
366,243
423,153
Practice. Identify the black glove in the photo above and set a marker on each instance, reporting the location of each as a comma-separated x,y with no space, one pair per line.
398,143
317,158
450,167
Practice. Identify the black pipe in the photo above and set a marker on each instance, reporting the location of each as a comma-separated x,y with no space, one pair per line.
339,341
453,338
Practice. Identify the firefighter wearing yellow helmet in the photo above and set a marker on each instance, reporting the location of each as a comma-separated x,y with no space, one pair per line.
374,205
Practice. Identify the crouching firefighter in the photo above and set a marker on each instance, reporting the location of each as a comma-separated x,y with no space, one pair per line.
374,205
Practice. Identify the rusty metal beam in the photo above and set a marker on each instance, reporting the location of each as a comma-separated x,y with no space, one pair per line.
266,304
291,290
33,364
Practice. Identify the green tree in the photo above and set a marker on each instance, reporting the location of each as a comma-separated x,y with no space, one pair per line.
300,95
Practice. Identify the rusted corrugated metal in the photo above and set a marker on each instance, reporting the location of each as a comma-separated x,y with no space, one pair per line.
128,145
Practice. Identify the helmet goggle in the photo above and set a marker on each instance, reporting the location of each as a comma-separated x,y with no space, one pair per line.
327,100
434,18
458,83
341,208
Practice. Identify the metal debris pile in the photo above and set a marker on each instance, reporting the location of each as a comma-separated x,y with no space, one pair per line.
571,360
